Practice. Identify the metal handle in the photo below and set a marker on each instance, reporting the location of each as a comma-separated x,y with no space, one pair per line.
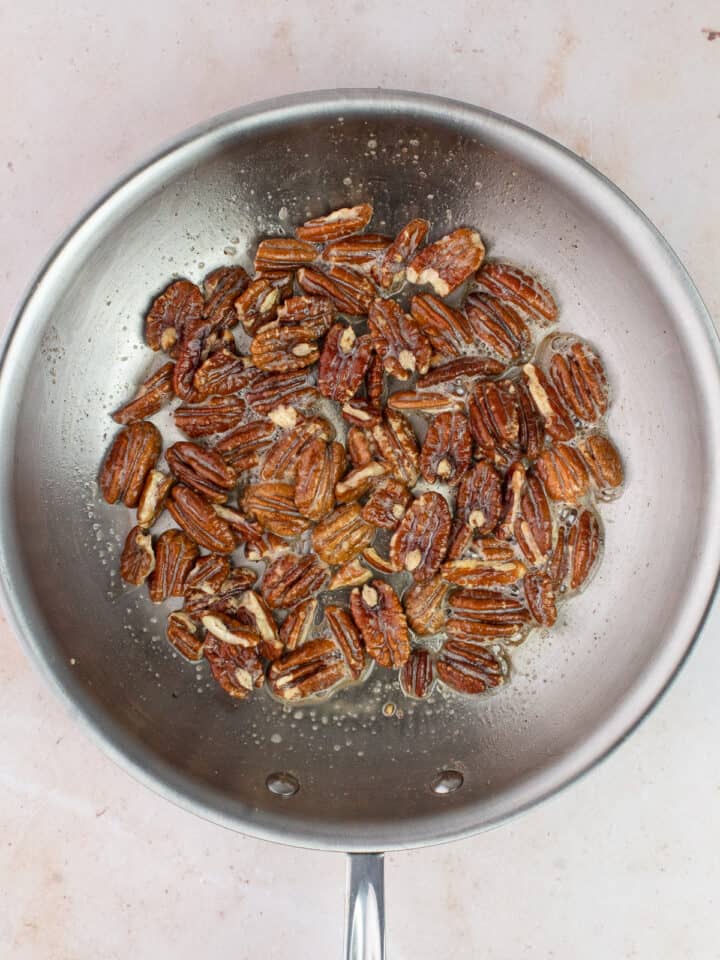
365,909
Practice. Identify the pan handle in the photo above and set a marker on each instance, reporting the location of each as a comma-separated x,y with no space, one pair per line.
365,907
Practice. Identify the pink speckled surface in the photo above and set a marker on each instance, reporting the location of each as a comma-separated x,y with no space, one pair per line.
623,865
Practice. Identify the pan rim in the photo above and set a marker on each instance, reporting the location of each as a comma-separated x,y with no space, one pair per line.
647,689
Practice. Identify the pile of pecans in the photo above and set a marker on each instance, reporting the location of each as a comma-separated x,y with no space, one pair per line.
409,480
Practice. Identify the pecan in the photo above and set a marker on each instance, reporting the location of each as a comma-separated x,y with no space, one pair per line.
257,304
357,482
375,382
397,446
361,446
270,645
315,314
258,542
203,470
416,676
343,362
208,573
198,519
361,413
215,415
292,578
227,628
533,527
137,560
151,396
510,283
563,471
397,339
425,401
282,280
319,466
531,435
579,377
420,542
223,373
468,668
461,538
272,390
222,288
557,421
584,542
175,554
448,449
498,327
350,574
342,534
195,345
390,271
378,562
182,632
313,669
178,306
360,253
130,458
339,223
237,669
463,367
379,616
244,446
448,262
282,458
284,348
348,638
349,291
152,499
273,506
425,606
540,598
282,254
476,572
495,419
446,329
485,615
387,504
603,463
479,499
201,598
298,624
514,486
559,563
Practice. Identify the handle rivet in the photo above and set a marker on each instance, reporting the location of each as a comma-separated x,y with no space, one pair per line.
447,781
283,785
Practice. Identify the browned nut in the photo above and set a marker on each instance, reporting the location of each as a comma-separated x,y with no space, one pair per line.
292,578
311,670
175,554
420,542
508,282
185,635
137,560
425,606
151,396
448,262
416,676
342,535
132,455
448,449
379,616
469,668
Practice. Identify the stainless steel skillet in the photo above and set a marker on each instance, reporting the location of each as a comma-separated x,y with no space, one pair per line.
349,775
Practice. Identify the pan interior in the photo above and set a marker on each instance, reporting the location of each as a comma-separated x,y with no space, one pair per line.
364,768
